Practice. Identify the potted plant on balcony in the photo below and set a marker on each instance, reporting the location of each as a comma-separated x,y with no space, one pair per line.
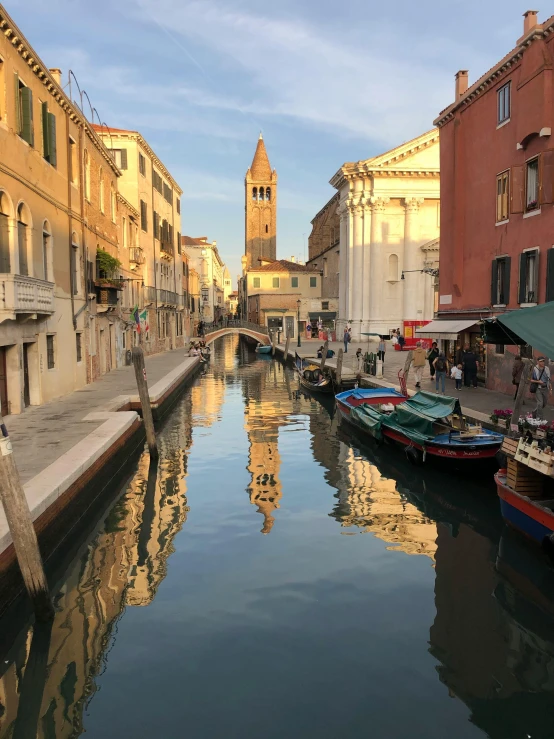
107,267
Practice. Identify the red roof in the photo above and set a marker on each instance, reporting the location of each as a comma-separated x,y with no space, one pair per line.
99,129
194,240
283,265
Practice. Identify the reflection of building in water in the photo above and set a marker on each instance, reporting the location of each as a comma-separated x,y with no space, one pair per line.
494,638
370,502
268,405
123,565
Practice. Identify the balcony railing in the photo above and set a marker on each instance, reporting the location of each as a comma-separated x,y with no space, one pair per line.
22,294
167,248
136,255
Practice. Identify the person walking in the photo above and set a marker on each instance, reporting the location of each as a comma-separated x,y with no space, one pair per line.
441,368
419,359
346,339
382,349
456,374
541,386
470,365
401,341
517,371
432,354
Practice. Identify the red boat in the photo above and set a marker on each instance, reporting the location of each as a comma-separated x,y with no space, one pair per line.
533,518
420,423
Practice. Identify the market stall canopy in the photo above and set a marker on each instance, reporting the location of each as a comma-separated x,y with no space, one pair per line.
534,325
445,329
324,315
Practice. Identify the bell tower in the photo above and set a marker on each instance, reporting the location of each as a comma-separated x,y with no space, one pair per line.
260,189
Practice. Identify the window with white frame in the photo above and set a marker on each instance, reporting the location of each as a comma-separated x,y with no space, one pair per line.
528,276
532,185
502,190
504,103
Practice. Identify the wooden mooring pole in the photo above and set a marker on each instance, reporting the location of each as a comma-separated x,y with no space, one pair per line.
287,344
142,385
273,343
324,356
18,515
338,371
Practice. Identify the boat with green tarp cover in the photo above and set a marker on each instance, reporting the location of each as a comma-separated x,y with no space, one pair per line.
425,424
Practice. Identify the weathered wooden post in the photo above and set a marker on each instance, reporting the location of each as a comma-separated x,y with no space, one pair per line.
338,371
407,364
31,687
324,356
142,385
273,343
23,532
287,344
527,369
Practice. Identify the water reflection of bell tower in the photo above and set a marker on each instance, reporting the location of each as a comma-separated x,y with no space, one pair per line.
264,462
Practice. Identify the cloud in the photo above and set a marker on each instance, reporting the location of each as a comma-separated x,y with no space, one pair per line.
290,69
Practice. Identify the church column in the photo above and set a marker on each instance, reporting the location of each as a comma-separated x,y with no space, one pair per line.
356,273
350,258
412,260
366,266
343,276
378,239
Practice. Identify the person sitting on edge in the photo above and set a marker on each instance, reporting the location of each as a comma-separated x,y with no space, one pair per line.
320,352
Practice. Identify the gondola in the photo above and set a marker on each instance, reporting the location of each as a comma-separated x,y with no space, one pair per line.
423,425
310,376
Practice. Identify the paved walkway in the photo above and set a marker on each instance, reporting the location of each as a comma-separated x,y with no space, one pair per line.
43,433
478,399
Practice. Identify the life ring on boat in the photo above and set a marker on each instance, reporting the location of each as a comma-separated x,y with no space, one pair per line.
413,455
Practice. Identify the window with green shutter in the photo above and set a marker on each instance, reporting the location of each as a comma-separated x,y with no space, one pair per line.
294,281
313,281
24,112
143,216
256,282
48,135
179,243
276,282
156,225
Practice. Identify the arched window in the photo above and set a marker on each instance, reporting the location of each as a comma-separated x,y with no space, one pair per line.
101,190
393,268
261,195
47,252
6,212
75,264
87,175
254,193
24,232
268,193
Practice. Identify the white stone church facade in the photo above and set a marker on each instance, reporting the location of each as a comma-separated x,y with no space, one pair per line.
389,232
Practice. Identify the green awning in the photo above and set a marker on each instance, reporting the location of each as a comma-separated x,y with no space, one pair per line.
534,325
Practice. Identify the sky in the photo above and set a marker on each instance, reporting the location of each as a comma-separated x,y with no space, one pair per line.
325,82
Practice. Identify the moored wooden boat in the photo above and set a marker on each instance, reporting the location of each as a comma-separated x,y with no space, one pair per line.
261,349
532,516
423,424
310,376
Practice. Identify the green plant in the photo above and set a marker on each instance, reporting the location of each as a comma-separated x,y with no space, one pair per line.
107,265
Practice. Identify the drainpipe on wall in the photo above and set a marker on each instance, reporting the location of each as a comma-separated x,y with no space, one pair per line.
70,219
154,250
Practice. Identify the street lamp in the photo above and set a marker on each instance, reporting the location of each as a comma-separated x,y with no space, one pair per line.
427,271
298,303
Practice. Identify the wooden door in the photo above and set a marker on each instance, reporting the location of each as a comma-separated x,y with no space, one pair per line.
26,391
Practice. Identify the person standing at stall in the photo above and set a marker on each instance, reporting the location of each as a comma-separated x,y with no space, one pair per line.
541,386
432,354
470,365
517,371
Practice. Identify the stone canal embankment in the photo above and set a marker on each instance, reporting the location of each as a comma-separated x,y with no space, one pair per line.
68,451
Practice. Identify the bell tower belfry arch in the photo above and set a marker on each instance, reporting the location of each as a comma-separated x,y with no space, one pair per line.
260,191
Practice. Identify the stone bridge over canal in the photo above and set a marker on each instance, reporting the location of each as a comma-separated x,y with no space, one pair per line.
244,328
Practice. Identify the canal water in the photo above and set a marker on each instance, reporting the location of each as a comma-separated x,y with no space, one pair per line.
276,577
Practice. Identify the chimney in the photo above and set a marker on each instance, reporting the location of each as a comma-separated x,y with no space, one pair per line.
529,21
57,75
461,83
293,259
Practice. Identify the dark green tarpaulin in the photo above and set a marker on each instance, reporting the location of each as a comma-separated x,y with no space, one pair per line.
414,418
534,325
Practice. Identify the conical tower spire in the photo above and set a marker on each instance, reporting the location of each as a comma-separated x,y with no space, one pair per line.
260,168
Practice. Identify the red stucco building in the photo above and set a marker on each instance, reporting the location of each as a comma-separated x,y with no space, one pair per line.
497,192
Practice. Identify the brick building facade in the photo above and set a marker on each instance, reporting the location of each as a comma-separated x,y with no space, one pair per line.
497,193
